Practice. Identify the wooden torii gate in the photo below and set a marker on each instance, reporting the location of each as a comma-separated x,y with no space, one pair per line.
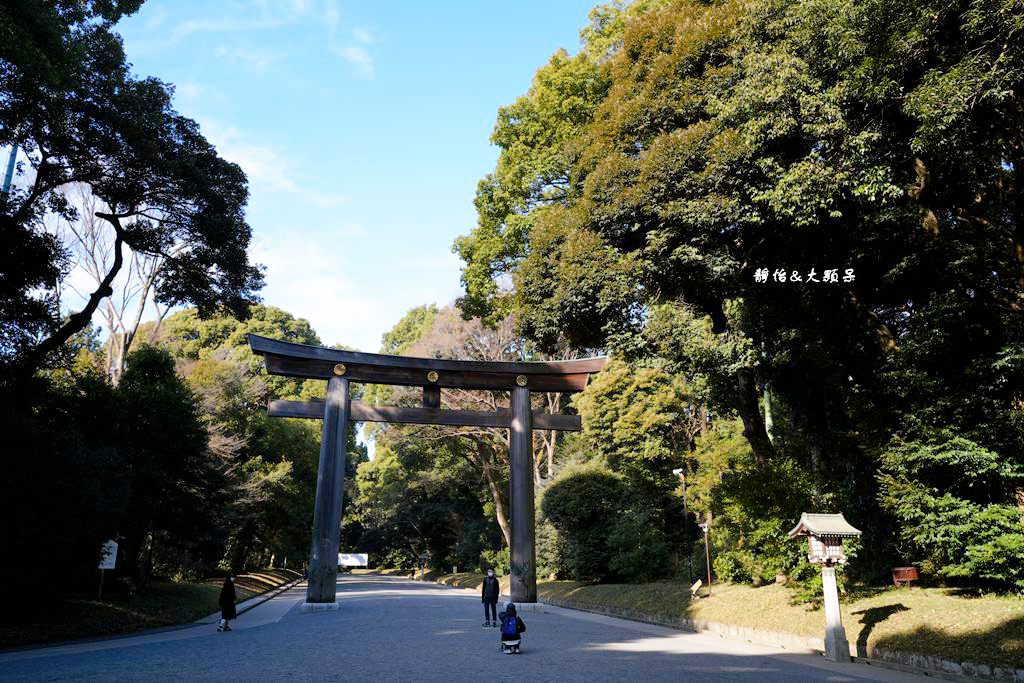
340,368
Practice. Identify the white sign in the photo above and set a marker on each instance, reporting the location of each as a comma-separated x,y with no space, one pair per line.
352,559
109,555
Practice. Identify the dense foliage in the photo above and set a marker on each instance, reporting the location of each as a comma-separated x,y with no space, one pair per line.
86,462
603,532
949,495
179,462
810,212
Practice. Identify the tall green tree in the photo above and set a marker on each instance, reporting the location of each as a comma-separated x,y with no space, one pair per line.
178,489
70,103
642,423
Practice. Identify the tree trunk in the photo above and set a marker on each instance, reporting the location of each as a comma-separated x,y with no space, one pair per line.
816,475
551,446
1018,222
145,563
749,411
147,274
78,321
499,506
554,401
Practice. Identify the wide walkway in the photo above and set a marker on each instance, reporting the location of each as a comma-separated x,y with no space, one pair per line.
393,629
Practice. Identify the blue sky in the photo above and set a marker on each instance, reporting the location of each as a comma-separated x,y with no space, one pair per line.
363,129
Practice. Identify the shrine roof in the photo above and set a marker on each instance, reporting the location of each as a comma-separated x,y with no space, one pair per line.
824,525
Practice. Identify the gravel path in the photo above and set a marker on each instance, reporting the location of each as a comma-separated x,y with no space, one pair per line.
393,629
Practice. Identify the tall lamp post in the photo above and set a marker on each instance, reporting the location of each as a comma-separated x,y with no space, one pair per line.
686,523
705,527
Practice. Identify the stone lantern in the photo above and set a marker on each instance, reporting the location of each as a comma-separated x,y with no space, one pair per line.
825,534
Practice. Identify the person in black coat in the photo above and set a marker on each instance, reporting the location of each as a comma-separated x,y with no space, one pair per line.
227,603
489,596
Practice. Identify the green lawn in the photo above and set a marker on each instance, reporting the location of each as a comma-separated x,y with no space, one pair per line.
158,604
931,621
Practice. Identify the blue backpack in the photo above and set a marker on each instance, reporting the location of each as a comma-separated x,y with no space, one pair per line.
509,625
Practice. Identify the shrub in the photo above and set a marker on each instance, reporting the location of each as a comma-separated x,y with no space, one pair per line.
393,559
731,566
582,503
637,549
552,553
498,560
955,501
753,507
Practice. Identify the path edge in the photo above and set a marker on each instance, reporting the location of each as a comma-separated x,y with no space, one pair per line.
255,601
906,662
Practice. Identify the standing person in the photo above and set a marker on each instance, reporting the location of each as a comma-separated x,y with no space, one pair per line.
227,603
489,596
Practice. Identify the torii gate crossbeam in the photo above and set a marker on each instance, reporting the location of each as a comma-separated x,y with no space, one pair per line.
340,368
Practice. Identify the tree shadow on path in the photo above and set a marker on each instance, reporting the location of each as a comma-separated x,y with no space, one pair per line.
871,617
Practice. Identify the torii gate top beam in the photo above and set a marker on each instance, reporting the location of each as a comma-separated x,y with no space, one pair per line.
317,362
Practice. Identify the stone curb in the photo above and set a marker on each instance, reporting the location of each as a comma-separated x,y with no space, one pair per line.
932,665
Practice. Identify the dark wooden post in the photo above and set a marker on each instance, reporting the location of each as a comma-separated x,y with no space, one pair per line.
431,397
330,482
523,579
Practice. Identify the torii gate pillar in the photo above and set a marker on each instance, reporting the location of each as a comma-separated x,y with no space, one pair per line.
330,489
523,577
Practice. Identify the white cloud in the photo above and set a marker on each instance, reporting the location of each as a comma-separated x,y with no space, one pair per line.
255,14
189,90
310,281
158,17
331,14
317,274
357,56
223,25
258,61
362,35
266,167
350,229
